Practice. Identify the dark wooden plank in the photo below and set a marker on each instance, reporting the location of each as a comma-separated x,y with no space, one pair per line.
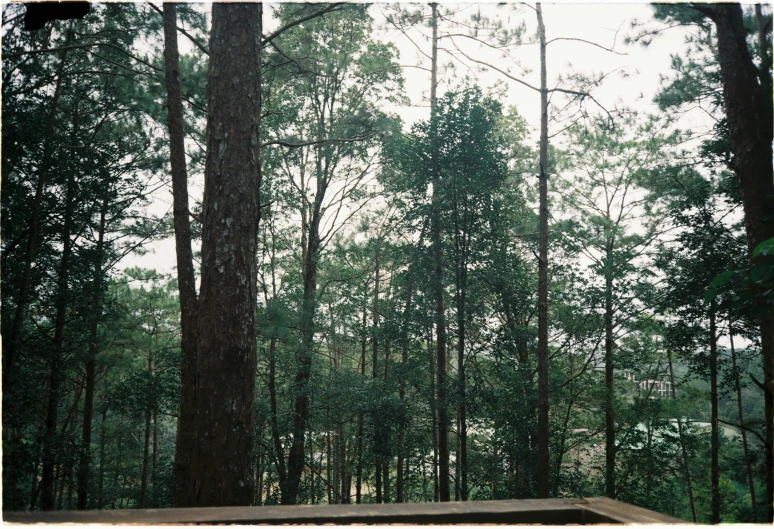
605,510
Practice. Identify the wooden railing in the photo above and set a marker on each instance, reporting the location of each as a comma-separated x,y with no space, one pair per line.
556,511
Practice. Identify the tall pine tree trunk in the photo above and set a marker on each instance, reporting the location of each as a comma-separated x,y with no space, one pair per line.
438,287
185,272
221,469
11,344
543,455
50,441
749,111
90,364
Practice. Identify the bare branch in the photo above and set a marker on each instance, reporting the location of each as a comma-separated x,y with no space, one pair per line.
611,50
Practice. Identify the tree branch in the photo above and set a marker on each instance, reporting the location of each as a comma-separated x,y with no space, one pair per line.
196,43
292,145
331,8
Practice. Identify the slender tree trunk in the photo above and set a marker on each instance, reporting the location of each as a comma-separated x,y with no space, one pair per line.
35,490
715,442
185,272
610,448
375,374
399,494
749,110
461,477
360,418
90,364
304,356
328,465
686,463
434,412
386,463
11,344
146,447
275,433
117,469
740,408
63,470
221,470
543,455
440,316
50,441
100,497
259,480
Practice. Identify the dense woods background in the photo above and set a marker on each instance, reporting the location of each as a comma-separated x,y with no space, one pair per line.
463,307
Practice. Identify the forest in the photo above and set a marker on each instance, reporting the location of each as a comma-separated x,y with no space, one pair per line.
337,253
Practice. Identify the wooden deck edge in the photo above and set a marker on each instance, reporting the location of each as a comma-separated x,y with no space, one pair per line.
602,510
554,511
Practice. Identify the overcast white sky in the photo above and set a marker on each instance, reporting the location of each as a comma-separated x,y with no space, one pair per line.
595,22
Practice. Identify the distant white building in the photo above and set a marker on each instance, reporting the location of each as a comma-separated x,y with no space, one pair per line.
657,388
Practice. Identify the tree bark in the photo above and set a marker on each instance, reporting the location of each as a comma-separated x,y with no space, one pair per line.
186,281
221,471
748,108
543,455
